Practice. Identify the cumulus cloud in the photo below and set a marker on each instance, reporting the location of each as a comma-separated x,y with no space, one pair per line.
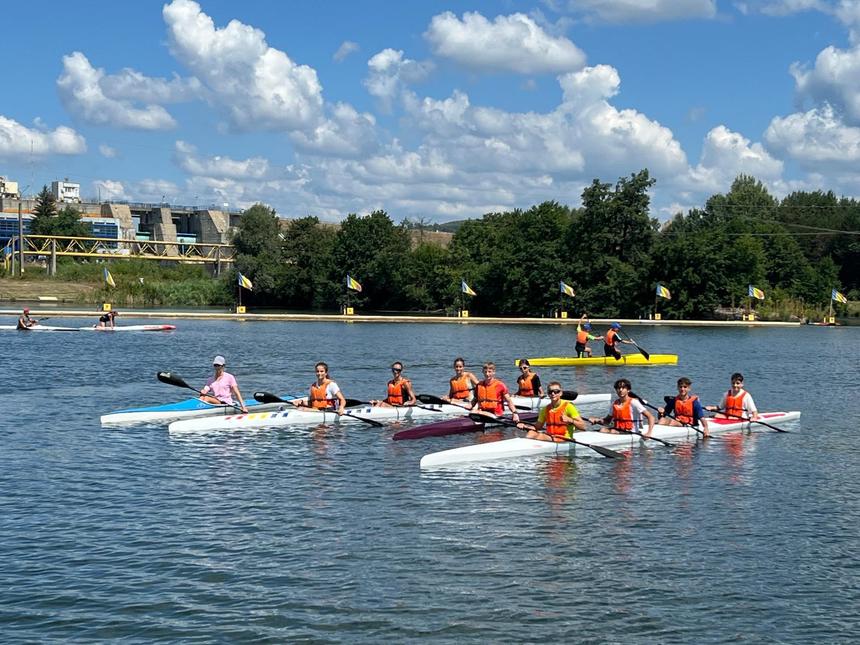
815,137
259,87
345,132
131,85
834,79
17,140
83,95
514,43
219,167
643,11
346,48
110,190
389,71
725,155
107,151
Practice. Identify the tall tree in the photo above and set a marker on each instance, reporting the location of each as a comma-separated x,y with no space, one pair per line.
258,252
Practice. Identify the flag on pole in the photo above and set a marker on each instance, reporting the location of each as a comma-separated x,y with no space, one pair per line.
465,288
566,289
663,292
352,283
838,297
7,256
244,282
756,293
109,278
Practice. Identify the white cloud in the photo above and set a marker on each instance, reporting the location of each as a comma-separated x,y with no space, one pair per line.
218,166
725,155
643,11
346,133
815,137
156,190
110,190
107,151
131,85
346,48
260,87
80,91
390,71
17,140
786,7
513,43
835,79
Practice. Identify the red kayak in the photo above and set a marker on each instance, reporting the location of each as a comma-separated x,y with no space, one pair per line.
460,425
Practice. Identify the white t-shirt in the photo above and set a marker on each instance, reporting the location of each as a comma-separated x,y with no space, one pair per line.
636,410
748,404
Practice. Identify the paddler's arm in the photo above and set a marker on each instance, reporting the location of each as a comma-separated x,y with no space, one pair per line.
514,414
412,400
342,401
238,395
650,418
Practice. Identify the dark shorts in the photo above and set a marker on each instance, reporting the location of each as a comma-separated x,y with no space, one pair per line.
609,350
580,348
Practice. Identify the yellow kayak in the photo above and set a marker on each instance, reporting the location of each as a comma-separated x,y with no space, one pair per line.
626,359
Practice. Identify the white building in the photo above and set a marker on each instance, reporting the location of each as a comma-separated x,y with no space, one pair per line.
66,191
9,189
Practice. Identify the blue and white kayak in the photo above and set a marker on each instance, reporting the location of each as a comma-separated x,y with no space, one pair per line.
188,409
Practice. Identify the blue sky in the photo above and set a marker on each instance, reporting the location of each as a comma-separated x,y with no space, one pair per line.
436,110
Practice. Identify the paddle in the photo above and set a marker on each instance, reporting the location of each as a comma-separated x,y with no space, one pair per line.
738,416
689,425
606,452
637,432
268,397
633,342
173,379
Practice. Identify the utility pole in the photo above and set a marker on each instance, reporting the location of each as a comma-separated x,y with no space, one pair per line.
20,237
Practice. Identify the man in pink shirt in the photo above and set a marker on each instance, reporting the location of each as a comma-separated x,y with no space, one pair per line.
220,388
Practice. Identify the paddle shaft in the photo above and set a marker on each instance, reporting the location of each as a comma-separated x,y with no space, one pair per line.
633,342
171,379
606,452
689,425
738,416
268,397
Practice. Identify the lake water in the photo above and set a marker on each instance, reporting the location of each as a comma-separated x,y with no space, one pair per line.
300,535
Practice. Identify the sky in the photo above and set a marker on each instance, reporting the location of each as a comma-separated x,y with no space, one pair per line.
432,111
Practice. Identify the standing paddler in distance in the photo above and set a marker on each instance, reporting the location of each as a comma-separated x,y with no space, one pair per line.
107,319
736,403
325,393
221,387
556,421
626,413
611,341
400,390
491,394
528,382
461,386
583,336
24,320
683,409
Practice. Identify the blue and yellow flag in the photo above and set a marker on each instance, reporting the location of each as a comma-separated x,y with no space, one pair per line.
566,289
109,278
352,283
838,297
756,293
465,288
244,282
663,292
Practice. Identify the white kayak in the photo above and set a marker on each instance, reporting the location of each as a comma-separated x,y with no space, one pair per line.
287,415
44,328
188,409
519,447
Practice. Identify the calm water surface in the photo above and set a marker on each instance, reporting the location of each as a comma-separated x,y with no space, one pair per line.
296,535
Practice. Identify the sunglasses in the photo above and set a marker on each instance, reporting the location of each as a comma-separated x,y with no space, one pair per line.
554,391
621,387
396,369
524,367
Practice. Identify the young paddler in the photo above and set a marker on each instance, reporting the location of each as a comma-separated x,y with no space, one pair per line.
461,386
491,394
737,402
583,336
222,387
626,412
611,341
556,421
24,320
324,392
400,390
684,408
528,383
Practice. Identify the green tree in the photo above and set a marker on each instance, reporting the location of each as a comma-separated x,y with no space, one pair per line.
66,223
259,256
308,256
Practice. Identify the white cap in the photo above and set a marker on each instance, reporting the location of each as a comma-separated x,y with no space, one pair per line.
219,360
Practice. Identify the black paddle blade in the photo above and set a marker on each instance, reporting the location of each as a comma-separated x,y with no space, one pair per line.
606,452
350,403
268,397
172,379
430,399
569,395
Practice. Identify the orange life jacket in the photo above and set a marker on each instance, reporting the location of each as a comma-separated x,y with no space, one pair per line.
553,424
684,409
490,396
396,391
582,337
318,396
735,404
609,339
460,387
526,385
622,415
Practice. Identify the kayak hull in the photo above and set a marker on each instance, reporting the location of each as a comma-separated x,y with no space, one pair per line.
519,447
44,328
626,359
188,409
